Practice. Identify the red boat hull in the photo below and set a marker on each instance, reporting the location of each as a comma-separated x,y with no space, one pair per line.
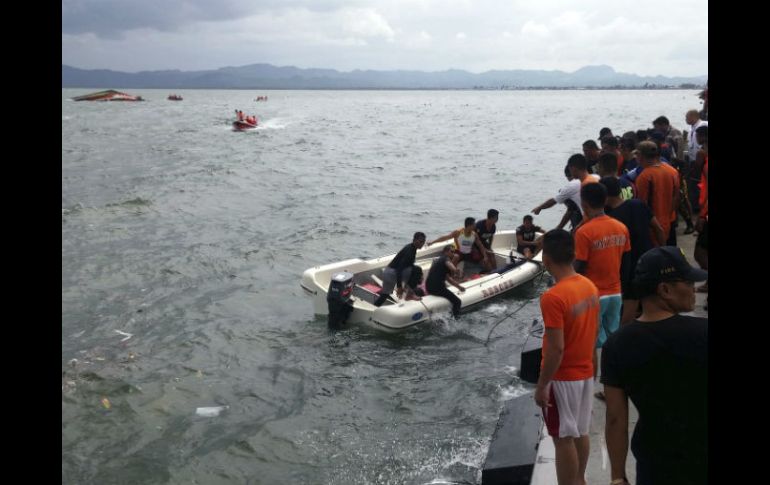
242,126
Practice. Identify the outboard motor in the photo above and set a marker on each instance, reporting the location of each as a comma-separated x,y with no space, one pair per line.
339,298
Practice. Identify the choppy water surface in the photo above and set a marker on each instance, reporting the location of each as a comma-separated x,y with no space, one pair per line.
183,243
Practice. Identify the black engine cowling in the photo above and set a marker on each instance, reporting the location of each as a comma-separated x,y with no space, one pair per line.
338,297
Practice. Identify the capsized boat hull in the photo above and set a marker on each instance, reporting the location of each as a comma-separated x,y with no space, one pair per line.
397,315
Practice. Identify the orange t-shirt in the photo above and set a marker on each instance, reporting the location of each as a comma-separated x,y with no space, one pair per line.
601,242
573,305
656,187
675,173
704,189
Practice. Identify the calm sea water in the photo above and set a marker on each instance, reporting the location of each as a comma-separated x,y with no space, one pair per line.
183,244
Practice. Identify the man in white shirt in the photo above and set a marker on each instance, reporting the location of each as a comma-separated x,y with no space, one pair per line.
693,119
578,168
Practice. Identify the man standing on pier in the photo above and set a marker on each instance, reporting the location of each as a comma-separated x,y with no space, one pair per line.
565,386
660,362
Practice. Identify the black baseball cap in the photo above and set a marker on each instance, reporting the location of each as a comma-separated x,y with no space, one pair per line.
666,263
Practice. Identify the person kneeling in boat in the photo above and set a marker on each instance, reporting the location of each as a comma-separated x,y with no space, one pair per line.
465,239
439,273
400,269
528,245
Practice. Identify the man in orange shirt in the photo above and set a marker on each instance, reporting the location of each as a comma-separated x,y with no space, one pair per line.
658,187
599,246
570,314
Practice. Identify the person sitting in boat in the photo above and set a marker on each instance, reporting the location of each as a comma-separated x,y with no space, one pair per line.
528,244
400,269
440,272
239,114
486,229
465,239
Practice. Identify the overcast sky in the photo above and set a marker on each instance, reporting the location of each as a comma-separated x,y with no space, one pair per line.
649,37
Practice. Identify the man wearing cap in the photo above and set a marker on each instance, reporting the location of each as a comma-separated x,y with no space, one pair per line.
660,362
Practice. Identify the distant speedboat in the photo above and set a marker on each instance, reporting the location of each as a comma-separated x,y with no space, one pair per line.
354,284
174,97
239,125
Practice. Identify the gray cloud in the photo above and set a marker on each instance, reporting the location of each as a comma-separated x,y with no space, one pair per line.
112,18
430,35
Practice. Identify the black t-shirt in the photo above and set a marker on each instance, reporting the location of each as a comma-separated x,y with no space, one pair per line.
437,273
404,259
663,368
636,216
484,234
528,235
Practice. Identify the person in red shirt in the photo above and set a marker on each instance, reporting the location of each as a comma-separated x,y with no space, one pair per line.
570,315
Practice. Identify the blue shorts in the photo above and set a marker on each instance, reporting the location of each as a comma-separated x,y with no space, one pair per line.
609,317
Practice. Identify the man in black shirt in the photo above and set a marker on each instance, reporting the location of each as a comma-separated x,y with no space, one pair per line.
660,362
399,269
440,272
486,229
638,219
528,243
591,152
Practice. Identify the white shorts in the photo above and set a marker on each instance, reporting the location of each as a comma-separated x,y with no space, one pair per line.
570,411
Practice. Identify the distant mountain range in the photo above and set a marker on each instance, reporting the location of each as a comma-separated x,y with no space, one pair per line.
266,76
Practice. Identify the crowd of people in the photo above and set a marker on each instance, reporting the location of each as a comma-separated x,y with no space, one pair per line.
621,284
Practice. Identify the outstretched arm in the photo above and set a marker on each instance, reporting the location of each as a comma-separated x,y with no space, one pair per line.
443,238
545,205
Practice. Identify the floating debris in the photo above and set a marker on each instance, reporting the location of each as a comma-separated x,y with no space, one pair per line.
210,412
126,335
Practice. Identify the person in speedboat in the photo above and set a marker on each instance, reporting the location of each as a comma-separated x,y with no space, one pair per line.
528,244
486,229
465,239
440,272
399,270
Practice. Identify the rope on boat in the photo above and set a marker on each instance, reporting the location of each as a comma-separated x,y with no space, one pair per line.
510,315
